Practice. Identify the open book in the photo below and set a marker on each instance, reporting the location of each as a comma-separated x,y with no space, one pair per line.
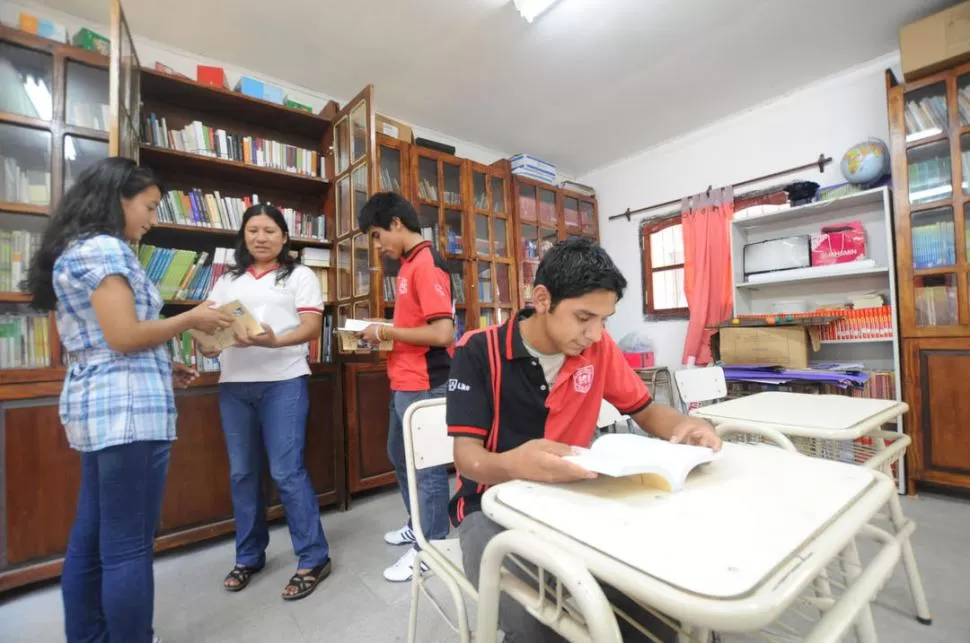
358,325
245,323
664,464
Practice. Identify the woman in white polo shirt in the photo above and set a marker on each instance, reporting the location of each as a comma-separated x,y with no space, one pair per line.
263,399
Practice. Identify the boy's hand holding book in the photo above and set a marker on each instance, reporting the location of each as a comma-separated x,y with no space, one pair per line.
543,461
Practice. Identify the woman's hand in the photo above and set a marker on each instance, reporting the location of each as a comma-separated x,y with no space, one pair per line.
266,339
183,375
207,318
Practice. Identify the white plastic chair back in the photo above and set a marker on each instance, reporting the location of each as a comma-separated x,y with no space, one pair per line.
697,385
431,444
609,415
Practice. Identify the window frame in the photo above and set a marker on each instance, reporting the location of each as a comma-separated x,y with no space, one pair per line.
647,270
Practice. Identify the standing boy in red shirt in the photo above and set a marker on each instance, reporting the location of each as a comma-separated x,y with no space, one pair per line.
418,365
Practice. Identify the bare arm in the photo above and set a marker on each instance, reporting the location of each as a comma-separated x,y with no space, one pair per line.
536,460
669,424
309,329
114,306
440,332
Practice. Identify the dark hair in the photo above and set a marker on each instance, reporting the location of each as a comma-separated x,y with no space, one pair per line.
576,267
384,207
244,259
91,207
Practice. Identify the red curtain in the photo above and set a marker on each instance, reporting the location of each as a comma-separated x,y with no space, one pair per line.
706,220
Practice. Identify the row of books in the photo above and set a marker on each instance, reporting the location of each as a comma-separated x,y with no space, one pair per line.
936,305
546,213
189,275
933,244
25,341
428,190
457,289
20,185
864,323
212,210
91,115
198,138
17,248
926,114
929,180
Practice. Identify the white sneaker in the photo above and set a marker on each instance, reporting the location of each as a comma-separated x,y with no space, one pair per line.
403,569
402,536
155,639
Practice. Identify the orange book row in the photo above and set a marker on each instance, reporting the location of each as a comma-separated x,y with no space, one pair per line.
863,323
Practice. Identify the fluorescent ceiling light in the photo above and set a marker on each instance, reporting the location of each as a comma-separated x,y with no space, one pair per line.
532,9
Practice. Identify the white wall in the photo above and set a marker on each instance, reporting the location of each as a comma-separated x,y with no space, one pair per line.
185,62
826,117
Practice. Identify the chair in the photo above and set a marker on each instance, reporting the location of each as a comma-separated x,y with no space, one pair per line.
698,386
427,444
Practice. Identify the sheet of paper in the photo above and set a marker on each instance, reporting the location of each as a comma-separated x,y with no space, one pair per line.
357,325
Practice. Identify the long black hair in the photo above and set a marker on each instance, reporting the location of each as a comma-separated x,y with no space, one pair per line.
244,259
92,206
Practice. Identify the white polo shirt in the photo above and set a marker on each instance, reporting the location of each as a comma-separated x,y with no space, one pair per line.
300,291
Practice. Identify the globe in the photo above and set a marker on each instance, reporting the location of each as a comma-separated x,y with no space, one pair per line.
866,162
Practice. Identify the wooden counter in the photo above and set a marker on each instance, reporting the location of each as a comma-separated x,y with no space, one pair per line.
40,475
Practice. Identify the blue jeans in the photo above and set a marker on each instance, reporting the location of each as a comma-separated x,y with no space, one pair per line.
107,583
433,481
270,418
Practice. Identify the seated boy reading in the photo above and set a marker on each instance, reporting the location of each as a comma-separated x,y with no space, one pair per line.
523,392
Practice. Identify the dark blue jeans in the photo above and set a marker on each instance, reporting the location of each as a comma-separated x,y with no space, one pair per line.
107,583
270,418
433,481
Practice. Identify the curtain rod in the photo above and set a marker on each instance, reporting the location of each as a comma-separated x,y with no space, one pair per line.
820,163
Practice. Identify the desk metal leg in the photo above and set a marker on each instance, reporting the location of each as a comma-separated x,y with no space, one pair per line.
865,626
904,528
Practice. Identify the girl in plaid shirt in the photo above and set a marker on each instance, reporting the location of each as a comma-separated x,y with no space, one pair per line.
117,404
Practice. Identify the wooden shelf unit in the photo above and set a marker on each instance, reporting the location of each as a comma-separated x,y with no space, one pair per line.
930,152
197,504
545,214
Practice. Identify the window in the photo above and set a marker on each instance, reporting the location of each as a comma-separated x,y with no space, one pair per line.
662,245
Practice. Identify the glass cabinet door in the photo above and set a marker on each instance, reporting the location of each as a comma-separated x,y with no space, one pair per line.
926,113
79,154
392,169
480,191
427,179
528,208
451,177
570,213
361,265
930,178
933,238
547,207
87,96
27,82
26,159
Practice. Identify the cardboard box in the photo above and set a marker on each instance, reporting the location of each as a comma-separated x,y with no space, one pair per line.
250,87
295,105
394,129
92,41
935,42
215,76
785,346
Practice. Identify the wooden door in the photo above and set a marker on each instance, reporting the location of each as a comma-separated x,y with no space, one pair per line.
367,416
354,179
125,92
938,391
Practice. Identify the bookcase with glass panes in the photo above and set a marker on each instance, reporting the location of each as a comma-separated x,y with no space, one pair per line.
463,209
546,214
53,123
930,150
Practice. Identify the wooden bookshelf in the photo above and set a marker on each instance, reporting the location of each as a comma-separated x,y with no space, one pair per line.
197,504
930,153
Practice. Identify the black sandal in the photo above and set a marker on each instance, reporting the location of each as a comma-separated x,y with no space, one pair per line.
306,583
242,575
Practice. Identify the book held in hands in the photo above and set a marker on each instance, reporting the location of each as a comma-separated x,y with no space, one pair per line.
244,324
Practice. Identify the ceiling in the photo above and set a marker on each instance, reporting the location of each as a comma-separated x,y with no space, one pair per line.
588,83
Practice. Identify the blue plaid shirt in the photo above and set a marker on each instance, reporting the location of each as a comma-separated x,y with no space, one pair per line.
109,398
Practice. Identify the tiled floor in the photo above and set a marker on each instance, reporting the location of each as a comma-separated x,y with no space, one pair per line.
356,605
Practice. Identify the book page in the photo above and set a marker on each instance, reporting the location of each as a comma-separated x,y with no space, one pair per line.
358,325
625,454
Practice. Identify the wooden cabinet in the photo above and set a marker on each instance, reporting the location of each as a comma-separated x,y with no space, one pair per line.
545,214
938,391
368,399
930,151
41,477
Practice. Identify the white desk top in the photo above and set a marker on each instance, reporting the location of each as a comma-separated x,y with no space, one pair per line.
803,414
738,519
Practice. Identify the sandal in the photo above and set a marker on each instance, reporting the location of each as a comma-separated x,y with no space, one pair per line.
306,583
242,575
